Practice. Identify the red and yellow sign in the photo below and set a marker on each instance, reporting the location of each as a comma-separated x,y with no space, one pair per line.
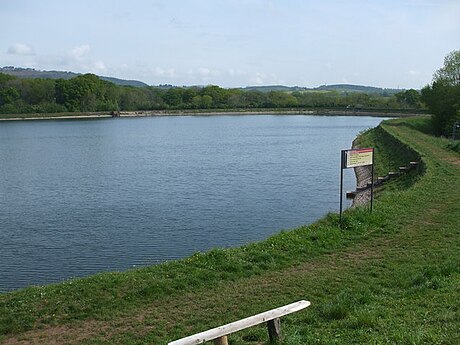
359,157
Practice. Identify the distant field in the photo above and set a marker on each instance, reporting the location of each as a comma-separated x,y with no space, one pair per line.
390,277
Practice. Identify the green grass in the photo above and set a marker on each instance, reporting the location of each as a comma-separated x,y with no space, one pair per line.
390,277
454,146
390,153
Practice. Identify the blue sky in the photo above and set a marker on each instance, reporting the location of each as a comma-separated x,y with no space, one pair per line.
232,43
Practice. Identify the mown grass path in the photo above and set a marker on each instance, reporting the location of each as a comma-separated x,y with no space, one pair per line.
392,277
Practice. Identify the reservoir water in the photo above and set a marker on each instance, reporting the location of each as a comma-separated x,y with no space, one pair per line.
85,196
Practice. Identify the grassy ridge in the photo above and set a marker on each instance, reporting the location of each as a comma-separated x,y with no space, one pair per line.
388,277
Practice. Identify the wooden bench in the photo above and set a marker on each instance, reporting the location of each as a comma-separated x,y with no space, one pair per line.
219,334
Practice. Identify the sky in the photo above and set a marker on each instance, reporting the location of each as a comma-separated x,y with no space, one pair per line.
234,43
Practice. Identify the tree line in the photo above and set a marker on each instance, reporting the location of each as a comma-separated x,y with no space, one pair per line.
442,96
88,93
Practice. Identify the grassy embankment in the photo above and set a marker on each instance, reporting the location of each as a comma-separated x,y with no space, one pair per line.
388,277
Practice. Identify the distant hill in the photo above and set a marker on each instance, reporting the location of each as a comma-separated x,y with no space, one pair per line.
269,88
342,88
334,87
33,73
358,88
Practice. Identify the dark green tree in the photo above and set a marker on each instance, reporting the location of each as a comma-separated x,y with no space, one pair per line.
5,78
173,97
188,95
409,98
206,101
8,95
218,96
280,99
442,97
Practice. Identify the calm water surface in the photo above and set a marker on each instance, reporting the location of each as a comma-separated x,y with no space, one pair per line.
80,197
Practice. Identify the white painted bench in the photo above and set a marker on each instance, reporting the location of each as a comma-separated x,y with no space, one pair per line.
219,334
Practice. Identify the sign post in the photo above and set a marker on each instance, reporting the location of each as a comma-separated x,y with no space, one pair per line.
454,129
356,158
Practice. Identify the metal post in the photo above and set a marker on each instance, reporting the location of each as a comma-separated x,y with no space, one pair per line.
454,129
372,180
342,162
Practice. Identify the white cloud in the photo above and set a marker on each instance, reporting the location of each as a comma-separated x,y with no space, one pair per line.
199,75
80,52
258,80
204,72
238,73
265,79
171,72
79,59
20,49
156,72
159,71
99,67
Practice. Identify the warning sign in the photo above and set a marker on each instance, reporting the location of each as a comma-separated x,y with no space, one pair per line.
359,157
353,159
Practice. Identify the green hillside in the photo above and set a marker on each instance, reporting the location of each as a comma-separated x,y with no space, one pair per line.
30,73
33,73
359,88
343,88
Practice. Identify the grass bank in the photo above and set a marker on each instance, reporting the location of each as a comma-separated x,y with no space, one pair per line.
392,276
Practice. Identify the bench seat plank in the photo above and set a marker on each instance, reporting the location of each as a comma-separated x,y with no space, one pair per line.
241,324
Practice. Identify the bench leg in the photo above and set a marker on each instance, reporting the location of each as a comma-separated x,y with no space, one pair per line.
221,341
274,329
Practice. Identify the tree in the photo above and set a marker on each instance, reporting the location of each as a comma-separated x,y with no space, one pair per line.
217,95
188,95
409,98
450,72
173,97
4,78
280,99
206,101
8,95
442,97
87,93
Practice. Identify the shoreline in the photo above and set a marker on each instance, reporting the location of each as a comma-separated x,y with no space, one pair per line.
62,117
324,112
217,112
